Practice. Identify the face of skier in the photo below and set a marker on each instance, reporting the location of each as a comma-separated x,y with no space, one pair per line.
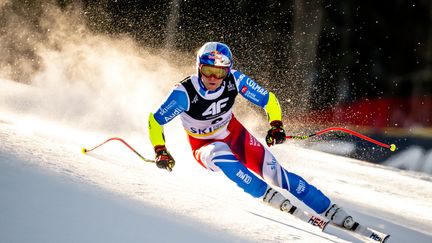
211,83
212,77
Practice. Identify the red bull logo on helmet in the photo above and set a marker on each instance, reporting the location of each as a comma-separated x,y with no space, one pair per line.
219,58
215,55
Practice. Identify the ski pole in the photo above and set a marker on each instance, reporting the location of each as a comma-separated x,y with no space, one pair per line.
392,146
85,151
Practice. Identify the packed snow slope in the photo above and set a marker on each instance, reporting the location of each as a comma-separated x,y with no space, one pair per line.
51,192
87,88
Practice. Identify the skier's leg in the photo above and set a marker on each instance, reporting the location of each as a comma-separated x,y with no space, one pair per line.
305,192
296,185
218,156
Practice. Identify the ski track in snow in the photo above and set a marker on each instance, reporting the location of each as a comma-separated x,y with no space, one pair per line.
51,192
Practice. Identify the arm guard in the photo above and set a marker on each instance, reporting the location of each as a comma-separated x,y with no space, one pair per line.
273,108
155,131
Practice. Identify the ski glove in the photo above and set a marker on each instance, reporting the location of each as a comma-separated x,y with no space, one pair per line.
276,134
164,160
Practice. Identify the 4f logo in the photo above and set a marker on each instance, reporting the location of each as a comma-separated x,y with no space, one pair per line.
195,99
215,107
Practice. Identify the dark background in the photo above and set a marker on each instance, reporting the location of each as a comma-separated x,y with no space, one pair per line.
334,51
356,63
367,64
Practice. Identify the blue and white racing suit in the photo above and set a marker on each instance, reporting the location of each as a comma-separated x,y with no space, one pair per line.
220,143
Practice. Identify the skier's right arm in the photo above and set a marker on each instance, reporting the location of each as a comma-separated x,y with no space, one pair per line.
175,104
163,159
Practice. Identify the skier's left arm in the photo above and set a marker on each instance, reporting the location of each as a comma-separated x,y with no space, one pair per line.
256,94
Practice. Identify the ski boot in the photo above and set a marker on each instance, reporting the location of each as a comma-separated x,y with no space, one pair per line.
340,218
278,201
337,215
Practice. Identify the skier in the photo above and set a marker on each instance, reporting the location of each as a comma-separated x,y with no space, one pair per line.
219,141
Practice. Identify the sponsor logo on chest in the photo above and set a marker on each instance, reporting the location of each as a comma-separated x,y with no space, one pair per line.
215,125
215,107
231,87
195,99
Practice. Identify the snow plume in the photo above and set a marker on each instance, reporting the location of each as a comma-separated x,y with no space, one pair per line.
75,77
80,78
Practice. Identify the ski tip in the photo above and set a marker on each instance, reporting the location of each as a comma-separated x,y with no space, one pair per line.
392,147
84,150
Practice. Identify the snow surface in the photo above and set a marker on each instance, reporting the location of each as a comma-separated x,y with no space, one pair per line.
51,192
89,88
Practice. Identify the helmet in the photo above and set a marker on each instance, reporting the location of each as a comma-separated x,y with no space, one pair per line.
214,54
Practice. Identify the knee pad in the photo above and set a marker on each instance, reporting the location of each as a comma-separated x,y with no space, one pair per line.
209,152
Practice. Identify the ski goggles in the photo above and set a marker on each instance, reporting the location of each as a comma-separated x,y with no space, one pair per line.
217,72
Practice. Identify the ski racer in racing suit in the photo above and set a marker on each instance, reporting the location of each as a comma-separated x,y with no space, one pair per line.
220,142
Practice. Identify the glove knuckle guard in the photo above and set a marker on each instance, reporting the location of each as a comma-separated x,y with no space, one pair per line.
276,134
164,160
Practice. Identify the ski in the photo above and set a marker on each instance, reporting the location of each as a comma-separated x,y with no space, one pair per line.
322,223
370,233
